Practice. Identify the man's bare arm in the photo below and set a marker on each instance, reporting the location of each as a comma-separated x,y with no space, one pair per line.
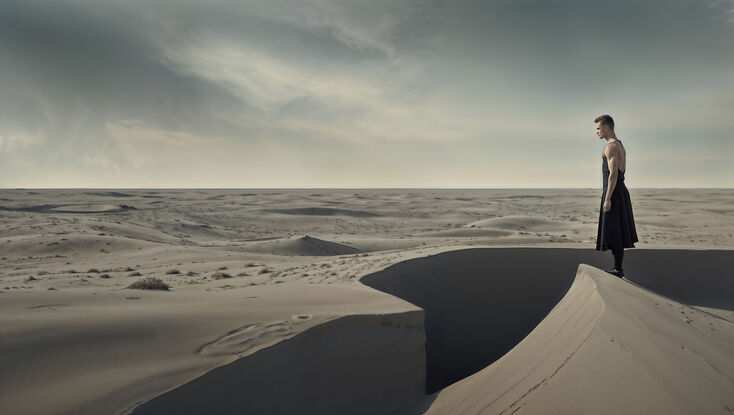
612,162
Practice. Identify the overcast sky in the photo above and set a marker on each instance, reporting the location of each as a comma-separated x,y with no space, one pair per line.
372,93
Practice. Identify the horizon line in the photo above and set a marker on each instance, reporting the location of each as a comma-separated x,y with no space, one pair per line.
357,188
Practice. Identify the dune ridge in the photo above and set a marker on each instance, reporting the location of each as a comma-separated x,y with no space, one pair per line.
605,338
303,246
608,347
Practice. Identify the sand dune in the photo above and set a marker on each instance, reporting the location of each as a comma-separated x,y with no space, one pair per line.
75,208
334,368
73,353
304,245
608,346
526,223
323,211
469,232
505,329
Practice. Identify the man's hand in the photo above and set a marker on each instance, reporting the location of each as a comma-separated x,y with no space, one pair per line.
607,205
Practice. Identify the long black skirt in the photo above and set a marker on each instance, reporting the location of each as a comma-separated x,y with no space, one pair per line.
616,227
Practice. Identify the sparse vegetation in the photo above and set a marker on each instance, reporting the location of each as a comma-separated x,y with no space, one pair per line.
222,268
134,274
95,270
242,274
172,272
105,276
250,264
265,271
192,273
220,275
149,283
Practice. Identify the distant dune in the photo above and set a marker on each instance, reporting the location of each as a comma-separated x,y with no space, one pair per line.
304,245
323,211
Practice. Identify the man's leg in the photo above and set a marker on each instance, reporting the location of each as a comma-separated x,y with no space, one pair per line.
618,253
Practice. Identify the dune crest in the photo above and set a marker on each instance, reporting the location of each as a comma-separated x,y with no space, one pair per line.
303,246
608,346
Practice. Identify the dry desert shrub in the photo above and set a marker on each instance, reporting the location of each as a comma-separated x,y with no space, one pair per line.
149,283
265,271
172,272
220,275
135,274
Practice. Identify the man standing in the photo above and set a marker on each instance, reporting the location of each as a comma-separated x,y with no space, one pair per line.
616,223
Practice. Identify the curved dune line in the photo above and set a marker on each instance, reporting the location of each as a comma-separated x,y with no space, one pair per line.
607,347
535,360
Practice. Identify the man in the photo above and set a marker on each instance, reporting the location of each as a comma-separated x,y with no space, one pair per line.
616,229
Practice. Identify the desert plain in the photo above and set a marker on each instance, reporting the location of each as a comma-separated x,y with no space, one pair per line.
362,301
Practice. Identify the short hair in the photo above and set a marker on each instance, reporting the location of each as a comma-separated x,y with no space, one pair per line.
605,119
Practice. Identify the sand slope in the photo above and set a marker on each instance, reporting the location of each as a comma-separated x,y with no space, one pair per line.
305,246
69,352
609,346
358,364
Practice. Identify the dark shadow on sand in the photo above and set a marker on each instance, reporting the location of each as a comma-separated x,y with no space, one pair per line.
698,278
481,302
358,364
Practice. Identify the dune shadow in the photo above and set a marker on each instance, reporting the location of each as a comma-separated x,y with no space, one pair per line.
480,303
357,364
702,278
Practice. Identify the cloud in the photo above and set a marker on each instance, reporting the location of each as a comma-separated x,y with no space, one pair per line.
725,9
136,132
109,85
20,139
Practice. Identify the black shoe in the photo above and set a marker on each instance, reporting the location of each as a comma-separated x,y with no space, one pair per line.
619,273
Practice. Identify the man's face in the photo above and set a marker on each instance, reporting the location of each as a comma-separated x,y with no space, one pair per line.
601,131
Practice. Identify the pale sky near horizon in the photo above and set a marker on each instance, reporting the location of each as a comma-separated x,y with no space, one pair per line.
380,93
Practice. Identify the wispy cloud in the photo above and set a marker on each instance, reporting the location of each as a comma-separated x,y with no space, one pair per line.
725,8
12,140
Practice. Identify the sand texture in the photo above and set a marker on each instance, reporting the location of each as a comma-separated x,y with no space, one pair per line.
315,301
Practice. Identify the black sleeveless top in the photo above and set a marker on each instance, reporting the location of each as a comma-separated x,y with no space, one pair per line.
605,174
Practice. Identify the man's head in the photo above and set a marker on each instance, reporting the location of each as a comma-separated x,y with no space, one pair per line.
604,126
